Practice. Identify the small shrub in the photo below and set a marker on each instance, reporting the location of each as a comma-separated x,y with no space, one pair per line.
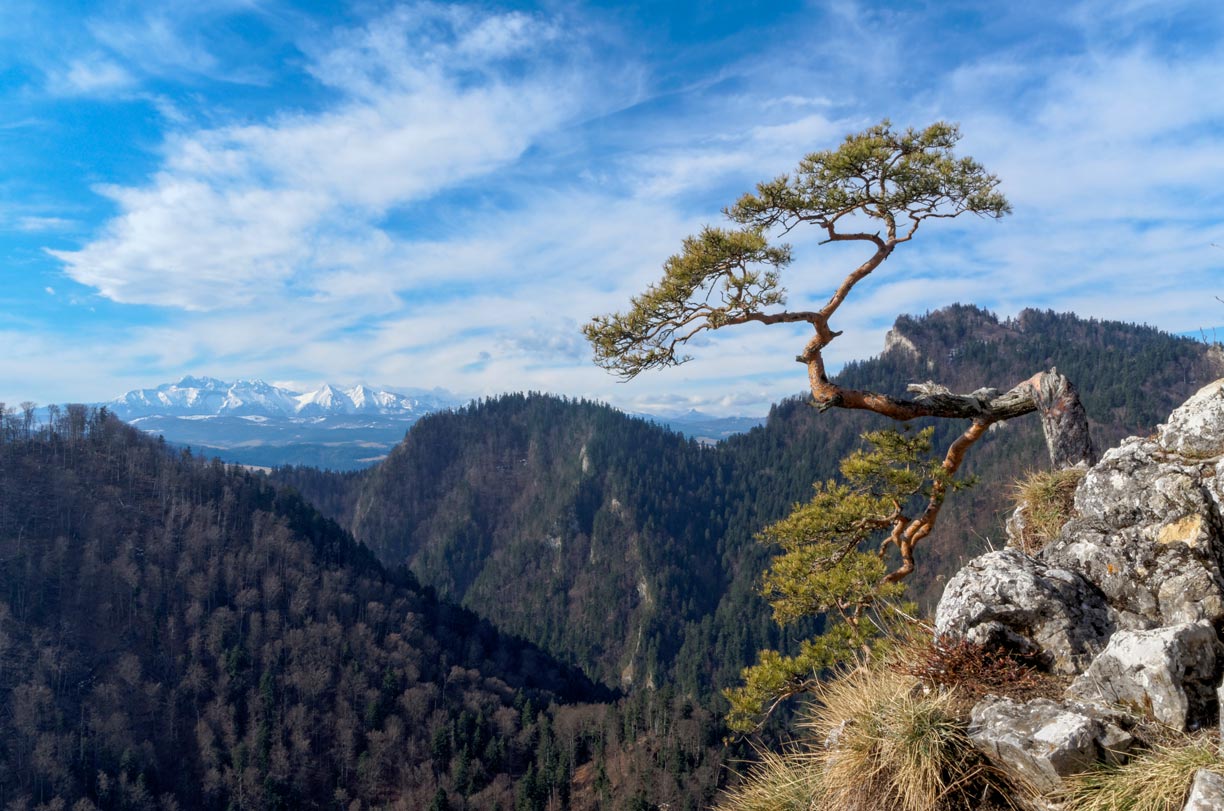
1157,780
974,670
1045,499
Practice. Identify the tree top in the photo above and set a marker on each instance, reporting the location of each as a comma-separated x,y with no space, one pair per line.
878,187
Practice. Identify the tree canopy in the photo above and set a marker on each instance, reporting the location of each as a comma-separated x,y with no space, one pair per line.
878,188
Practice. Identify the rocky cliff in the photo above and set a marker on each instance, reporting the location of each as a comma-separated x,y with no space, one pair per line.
1125,602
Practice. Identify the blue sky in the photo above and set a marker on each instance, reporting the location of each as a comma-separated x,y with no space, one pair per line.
422,194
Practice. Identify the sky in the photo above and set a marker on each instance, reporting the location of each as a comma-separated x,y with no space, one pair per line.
419,195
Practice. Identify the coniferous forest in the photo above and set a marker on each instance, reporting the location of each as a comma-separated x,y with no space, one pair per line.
532,603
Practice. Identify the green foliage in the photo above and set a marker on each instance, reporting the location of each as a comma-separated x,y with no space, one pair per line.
824,570
877,179
882,174
709,284
775,677
823,566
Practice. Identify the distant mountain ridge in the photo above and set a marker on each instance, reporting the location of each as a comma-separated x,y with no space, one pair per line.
258,423
210,397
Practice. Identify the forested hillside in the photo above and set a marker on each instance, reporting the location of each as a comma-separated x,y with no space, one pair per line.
176,634
630,551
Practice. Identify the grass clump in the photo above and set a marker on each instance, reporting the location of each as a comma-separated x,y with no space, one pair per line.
1157,780
891,744
1045,500
788,781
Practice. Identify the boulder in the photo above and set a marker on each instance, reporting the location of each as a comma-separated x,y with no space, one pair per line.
1206,793
1168,673
1196,429
1042,741
1146,534
1011,600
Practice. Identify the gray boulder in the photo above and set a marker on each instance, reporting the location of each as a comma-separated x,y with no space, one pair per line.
1147,535
1011,600
1168,673
1196,429
1206,793
1042,741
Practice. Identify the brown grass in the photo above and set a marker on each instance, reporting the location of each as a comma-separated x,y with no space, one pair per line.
893,745
787,781
974,670
1157,780
1046,500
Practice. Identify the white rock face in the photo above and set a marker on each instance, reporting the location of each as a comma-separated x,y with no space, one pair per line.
1008,599
1146,535
1207,792
1167,672
1197,428
1130,595
1042,741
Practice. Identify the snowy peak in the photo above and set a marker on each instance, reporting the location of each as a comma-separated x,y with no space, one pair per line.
325,400
208,396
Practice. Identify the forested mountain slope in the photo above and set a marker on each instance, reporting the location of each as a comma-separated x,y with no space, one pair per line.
629,551
176,634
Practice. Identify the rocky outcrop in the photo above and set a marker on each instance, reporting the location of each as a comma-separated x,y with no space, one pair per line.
1008,599
1128,597
1206,793
1040,742
1147,535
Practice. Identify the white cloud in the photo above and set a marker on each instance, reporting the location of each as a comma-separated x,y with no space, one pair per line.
240,213
98,75
35,223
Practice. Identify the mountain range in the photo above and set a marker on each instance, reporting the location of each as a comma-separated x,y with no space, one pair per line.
207,397
257,423
532,602
178,634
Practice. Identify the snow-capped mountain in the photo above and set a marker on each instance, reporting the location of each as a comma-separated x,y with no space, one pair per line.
210,397
257,423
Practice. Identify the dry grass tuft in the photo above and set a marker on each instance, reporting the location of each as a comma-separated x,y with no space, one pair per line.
1046,500
777,782
890,744
1157,780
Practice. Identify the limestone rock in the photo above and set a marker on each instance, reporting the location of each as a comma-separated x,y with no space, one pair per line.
1167,672
1196,428
1041,742
1207,792
1009,599
1147,535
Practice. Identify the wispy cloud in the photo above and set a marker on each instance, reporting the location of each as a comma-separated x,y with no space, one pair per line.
96,75
245,212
